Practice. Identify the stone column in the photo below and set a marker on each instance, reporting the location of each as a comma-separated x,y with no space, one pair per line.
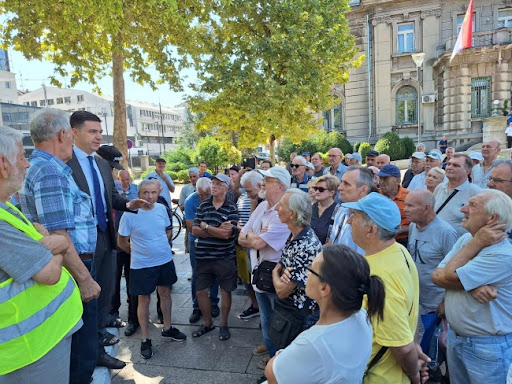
144,162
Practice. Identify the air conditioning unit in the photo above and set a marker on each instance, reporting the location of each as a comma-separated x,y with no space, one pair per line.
426,99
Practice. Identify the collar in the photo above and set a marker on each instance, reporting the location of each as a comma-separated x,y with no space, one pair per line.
301,234
40,154
81,155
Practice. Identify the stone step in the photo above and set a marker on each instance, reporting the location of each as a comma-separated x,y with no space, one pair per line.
103,375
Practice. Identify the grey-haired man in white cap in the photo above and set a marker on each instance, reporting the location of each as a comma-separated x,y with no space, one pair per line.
432,159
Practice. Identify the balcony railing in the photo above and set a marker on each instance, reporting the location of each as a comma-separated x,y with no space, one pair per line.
483,39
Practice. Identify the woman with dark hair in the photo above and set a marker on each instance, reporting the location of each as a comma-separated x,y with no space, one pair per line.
338,347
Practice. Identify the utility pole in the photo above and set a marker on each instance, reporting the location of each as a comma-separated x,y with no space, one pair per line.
162,123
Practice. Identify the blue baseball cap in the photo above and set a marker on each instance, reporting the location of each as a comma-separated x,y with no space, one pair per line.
222,177
381,210
435,155
354,155
389,170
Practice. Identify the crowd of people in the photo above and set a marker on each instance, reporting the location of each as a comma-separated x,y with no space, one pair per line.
346,265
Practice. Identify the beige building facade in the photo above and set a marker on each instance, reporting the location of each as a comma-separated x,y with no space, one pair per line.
450,99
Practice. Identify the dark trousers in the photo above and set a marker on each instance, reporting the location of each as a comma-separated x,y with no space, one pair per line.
509,141
84,344
105,263
123,263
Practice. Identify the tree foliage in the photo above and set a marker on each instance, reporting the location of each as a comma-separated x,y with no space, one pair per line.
391,145
89,39
216,154
268,66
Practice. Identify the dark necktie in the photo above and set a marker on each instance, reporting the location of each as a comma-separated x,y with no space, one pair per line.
99,208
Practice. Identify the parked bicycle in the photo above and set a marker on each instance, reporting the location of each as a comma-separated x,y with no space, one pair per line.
177,220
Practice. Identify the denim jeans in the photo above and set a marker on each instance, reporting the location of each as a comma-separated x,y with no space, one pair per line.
84,343
266,304
479,359
214,291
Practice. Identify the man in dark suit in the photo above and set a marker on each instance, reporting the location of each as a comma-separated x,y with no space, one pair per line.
93,175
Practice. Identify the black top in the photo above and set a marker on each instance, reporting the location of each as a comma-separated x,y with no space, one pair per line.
323,225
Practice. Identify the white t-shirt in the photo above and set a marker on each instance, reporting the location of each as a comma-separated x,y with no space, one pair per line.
148,239
327,354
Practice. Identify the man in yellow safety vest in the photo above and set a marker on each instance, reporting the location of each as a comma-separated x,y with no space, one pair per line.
40,305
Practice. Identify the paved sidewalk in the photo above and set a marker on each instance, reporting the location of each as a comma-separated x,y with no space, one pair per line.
204,360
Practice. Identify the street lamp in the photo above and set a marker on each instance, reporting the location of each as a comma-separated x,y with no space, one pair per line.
418,60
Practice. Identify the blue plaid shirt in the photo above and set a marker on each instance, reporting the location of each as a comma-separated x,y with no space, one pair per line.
52,198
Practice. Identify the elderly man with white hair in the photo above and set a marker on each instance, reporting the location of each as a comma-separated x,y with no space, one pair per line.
477,276
300,176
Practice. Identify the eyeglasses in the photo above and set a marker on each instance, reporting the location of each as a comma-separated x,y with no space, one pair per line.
333,155
320,189
495,180
314,273
296,165
270,180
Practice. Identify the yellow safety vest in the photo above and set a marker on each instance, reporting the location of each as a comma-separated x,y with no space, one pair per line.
34,317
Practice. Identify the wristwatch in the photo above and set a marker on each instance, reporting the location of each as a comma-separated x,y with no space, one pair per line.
206,227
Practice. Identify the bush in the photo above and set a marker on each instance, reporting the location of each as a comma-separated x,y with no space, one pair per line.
409,146
363,148
357,145
391,145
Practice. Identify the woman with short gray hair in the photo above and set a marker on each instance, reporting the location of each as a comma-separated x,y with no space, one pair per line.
290,274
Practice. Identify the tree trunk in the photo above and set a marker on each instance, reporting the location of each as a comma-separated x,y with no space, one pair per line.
120,135
272,146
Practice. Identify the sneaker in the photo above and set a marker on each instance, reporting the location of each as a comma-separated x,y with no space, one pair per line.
195,316
145,349
248,313
174,334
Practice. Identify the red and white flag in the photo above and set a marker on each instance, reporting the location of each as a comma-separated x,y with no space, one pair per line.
466,32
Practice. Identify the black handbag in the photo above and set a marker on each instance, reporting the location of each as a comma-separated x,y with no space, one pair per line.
262,275
286,323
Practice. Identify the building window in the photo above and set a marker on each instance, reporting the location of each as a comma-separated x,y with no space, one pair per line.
50,101
80,98
333,119
405,35
41,103
406,105
505,18
7,84
33,103
60,100
480,97
67,99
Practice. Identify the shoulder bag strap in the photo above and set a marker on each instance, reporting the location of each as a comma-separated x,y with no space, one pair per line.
375,359
447,200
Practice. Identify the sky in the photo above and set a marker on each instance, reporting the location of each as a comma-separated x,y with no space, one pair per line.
32,74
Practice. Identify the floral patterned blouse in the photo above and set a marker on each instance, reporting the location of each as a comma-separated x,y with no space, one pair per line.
298,253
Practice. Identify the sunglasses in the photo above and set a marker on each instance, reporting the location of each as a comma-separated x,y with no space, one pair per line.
314,273
297,165
320,189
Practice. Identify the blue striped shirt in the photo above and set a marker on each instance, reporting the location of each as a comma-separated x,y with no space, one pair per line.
52,198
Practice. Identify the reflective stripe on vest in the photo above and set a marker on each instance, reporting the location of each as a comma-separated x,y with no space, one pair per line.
34,317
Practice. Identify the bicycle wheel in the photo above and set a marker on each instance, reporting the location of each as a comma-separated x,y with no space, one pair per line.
176,225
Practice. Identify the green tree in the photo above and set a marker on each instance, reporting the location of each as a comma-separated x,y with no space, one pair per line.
391,145
216,154
181,158
267,66
88,39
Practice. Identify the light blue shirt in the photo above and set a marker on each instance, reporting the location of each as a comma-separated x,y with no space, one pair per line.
342,231
166,194
491,266
86,168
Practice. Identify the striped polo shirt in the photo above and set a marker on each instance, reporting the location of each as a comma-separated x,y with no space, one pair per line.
212,247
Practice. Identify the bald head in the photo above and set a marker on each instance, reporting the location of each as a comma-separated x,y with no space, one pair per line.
419,207
124,178
334,157
490,150
382,160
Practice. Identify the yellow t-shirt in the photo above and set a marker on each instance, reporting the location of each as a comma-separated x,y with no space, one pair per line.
400,279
